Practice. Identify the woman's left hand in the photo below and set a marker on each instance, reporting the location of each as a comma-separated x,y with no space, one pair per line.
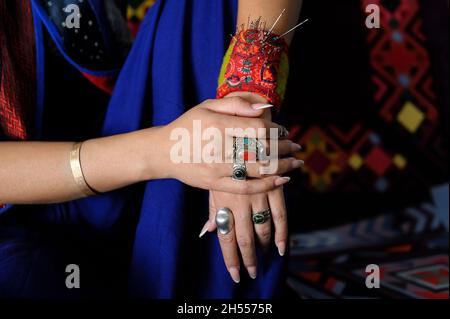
244,235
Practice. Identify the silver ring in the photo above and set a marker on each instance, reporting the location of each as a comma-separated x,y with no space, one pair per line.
261,217
256,148
251,145
283,132
223,220
239,169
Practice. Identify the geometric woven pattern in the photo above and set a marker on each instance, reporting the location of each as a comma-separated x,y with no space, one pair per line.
403,143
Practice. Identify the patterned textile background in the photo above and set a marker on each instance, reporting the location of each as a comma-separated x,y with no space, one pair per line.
370,108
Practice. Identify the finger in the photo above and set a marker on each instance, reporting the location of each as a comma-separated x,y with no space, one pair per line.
212,212
252,127
273,167
244,235
250,186
279,216
236,106
229,247
210,225
266,150
263,231
262,168
285,147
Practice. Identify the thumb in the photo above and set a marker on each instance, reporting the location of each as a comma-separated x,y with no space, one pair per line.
237,106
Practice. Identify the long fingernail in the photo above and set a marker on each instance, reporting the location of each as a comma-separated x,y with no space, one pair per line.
260,106
281,248
296,147
282,180
204,230
252,272
297,163
234,273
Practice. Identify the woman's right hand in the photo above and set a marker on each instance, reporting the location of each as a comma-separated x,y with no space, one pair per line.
234,113
40,172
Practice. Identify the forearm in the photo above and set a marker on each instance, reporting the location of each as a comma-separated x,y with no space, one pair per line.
266,14
269,10
40,172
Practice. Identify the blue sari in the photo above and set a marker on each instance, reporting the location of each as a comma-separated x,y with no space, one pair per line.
173,65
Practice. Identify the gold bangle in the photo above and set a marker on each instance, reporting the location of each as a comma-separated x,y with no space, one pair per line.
77,171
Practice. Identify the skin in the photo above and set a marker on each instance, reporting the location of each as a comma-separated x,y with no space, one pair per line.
39,172
245,236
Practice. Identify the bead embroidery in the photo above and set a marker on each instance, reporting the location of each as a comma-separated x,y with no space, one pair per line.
255,62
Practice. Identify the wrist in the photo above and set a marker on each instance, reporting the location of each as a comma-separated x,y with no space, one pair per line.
153,151
255,62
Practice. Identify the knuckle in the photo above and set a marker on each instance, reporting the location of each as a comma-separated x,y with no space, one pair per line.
244,242
207,182
215,121
230,262
244,188
255,171
236,101
211,167
280,218
259,123
264,235
227,239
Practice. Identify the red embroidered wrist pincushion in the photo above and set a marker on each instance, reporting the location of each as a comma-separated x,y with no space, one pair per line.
255,62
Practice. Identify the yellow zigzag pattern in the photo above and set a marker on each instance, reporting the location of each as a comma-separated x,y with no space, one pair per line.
140,11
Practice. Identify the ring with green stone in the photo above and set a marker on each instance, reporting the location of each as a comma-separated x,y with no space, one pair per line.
261,217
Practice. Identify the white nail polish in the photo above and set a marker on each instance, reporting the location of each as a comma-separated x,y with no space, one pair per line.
204,230
234,273
260,106
282,180
281,248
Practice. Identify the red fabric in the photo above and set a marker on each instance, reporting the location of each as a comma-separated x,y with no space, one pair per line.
253,65
18,72
105,83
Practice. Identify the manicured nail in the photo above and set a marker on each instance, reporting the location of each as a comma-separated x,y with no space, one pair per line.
281,248
295,147
282,180
204,230
297,163
260,106
252,272
234,273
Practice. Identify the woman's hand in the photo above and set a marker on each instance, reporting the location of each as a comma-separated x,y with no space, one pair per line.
39,172
216,175
245,235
